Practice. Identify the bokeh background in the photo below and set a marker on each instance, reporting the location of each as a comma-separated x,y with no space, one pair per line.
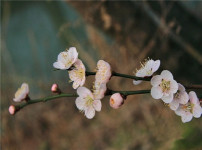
123,34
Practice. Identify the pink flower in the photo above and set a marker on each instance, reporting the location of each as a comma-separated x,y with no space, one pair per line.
116,100
164,86
11,109
78,74
86,102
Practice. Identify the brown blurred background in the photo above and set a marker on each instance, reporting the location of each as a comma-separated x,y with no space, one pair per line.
123,34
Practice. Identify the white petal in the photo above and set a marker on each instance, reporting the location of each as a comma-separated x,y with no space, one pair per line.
62,57
174,105
179,111
72,75
97,105
156,80
76,84
83,92
73,54
90,112
193,98
173,86
197,111
167,99
156,92
156,66
167,75
181,87
80,103
186,117
58,65
137,82
184,98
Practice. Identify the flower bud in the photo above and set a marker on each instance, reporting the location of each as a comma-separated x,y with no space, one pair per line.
116,100
11,109
55,88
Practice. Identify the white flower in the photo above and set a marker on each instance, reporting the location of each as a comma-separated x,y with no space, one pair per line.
66,59
164,86
78,74
86,102
191,109
180,97
148,68
103,73
99,90
21,93
116,100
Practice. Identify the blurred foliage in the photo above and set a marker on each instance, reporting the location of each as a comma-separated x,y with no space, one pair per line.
33,33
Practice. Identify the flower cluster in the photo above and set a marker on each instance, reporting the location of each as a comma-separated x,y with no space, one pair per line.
166,88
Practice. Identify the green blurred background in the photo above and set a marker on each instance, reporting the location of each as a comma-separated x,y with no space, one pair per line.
123,34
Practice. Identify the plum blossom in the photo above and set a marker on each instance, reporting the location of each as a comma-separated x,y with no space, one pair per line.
164,86
116,100
78,74
86,102
66,59
147,69
180,97
21,93
99,90
11,109
103,73
191,109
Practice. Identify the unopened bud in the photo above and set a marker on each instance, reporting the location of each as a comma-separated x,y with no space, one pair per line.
116,100
11,109
55,88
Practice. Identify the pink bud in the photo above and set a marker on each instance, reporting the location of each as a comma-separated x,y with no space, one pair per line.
55,88
116,100
11,109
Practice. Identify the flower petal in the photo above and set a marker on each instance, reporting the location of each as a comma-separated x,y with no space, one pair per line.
58,65
173,86
73,54
193,98
174,105
167,75
156,65
156,80
80,103
76,83
184,98
136,82
156,92
97,105
167,99
186,117
197,111
181,87
90,112
83,92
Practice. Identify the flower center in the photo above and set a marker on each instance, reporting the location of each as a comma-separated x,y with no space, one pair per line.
80,73
165,85
89,101
177,94
112,101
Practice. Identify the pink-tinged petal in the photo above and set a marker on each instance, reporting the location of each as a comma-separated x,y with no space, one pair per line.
72,75
73,54
174,105
181,87
156,92
173,86
197,111
83,81
179,111
83,92
58,65
167,99
76,84
149,64
137,82
156,80
116,100
156,65
62,57
186,117
90,112
97,105
167,75
141,73
80,103
184,98
193,98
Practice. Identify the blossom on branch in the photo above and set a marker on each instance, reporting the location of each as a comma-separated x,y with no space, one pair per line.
66,59
86,102
180,97
103,73
191,109
99,90
116,100
164,86
78,74
147,69
22,93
